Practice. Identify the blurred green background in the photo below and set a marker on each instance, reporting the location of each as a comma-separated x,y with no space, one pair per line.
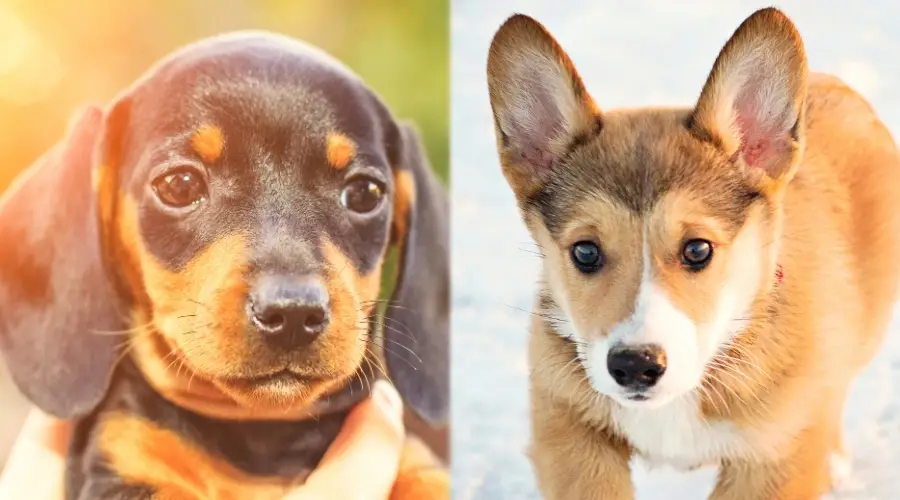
57,54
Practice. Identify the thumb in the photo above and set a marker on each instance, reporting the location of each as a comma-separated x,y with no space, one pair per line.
39,451
362,462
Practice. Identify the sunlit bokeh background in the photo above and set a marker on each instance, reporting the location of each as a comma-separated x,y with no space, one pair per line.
57,54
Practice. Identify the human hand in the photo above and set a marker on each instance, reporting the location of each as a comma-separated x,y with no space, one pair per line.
36,465
362,462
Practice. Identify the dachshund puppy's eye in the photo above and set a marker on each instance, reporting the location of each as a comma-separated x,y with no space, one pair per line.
696,254
587,256
182,188
362,195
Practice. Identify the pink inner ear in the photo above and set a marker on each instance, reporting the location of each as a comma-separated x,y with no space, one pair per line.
756,145
532,138
761,139
537,158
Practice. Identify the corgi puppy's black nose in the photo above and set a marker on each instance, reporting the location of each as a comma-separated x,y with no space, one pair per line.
289,313
636,367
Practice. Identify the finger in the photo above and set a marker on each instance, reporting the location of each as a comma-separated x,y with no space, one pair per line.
36,464
362,462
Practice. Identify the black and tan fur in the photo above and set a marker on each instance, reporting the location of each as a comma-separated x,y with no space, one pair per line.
133,315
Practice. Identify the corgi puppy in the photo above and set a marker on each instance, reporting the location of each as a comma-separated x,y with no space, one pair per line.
713,277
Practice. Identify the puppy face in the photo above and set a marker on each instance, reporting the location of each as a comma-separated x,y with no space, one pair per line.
658,228
253,210
674,264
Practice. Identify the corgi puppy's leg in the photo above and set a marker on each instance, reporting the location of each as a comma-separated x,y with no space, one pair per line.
840,465
802,474
573,462
570,460
814,464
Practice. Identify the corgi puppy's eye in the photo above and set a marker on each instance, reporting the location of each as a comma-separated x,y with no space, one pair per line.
696,254
587,256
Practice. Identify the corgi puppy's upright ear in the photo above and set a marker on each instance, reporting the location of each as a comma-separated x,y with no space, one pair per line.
753,103
541,108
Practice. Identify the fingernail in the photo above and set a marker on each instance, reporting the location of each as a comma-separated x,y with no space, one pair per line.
387,398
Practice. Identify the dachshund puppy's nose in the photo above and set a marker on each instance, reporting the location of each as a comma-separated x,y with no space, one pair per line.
636,367
289,312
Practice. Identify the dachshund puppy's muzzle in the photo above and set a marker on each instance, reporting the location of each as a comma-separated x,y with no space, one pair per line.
289,312
288,322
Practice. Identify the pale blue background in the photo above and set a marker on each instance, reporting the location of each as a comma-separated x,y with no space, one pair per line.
630,54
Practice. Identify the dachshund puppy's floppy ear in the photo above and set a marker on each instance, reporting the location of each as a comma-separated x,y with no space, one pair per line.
417,322
55,300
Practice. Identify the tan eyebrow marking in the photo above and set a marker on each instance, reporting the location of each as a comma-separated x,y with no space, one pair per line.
404,197
208,142
339,150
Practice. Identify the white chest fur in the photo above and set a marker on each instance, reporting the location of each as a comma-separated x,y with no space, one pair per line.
677,435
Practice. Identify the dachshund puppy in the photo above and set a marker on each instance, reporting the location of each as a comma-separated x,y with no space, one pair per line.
194,273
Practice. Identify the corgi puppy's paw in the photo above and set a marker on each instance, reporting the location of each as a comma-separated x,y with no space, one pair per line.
840,465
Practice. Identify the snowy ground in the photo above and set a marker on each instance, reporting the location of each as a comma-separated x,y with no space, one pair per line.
629,53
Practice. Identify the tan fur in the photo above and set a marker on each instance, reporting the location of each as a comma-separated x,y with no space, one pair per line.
404,198
584,293
339,150
775,392
571,459
352,294
143,453
421,474
208,142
